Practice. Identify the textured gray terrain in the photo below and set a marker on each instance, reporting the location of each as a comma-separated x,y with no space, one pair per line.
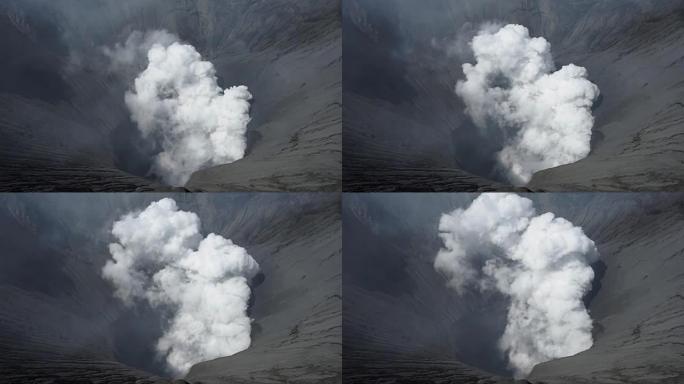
65,126
60,324
405,128
403,325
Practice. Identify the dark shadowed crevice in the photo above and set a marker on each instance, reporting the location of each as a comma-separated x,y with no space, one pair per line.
600,269
133,153
135,334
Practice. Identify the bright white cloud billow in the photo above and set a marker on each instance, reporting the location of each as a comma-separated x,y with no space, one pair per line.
201,283
176,101
544,115
539,261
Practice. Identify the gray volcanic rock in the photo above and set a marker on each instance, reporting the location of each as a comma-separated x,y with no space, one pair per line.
65,125
403,120
402,323
59,321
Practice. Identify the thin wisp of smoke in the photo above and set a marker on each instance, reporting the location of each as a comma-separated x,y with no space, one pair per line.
544,115
540,262
133,53
176,100
200,283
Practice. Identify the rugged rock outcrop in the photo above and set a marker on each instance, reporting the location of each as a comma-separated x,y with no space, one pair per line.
65,125
405,128
59,322
402,323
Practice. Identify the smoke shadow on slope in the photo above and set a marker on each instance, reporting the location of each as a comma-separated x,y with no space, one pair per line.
476,150
134,153
600,268
478,331
597,137
135,334
481,319
254,284
256,328
252,136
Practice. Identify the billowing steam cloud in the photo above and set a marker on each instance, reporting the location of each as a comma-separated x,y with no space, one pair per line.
134,51
177,101
541,262
161,258
544,116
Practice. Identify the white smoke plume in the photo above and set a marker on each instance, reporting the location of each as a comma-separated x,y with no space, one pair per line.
177,101
545,115
541,262
202,284
136,47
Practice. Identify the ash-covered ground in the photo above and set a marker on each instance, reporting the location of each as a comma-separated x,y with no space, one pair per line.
66,126
403,324
405,126
60,322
